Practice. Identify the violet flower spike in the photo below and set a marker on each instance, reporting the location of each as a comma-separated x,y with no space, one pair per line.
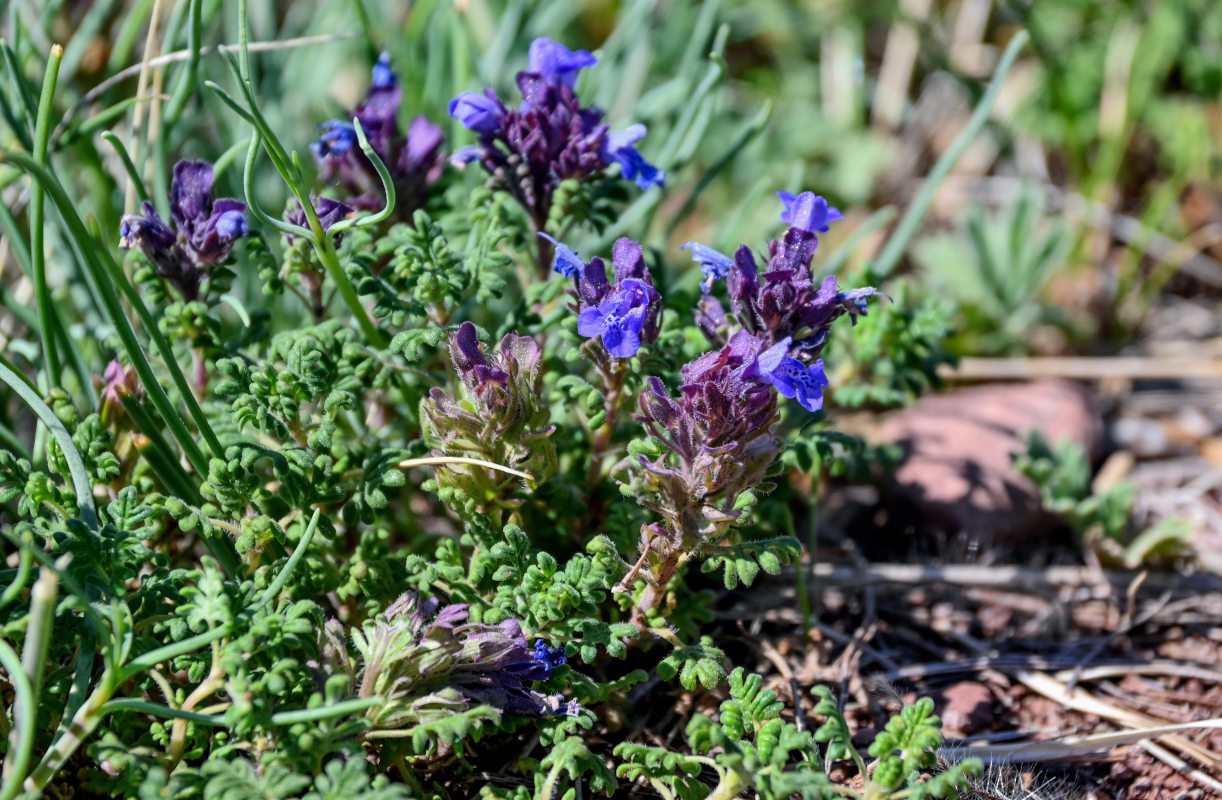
618,148
208,228
556,63
808,211
618,319
713,264
200,234
566,262
791,377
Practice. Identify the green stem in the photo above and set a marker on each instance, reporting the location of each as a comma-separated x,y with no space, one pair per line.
83,724
157,710
81,484
41,622
889,258
277,585
42,130
169,651
353,706
728,788
21,738
133,173
187,84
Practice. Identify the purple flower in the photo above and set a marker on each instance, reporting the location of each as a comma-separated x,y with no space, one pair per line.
808,211
474,370
620,317
791,377
618,148
414,161
713,264
202,234
625,314
477,112
556,63
784,300
718,428
209,228
566,262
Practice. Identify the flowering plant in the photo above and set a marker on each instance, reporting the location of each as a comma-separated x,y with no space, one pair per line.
393,493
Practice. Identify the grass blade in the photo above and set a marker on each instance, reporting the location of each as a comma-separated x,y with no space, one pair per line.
889,258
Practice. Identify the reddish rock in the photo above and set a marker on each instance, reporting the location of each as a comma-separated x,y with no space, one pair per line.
965,708
956,446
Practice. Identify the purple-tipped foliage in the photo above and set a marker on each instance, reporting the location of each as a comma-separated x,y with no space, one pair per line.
432,660
718,438
503,416
414,161
201,234
550,137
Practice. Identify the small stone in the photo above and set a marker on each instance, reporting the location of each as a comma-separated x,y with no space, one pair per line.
965,708
956,464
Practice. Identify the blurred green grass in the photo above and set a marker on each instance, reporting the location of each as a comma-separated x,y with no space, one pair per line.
1115,103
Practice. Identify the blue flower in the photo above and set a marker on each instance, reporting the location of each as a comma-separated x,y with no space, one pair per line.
551,656
713,264
556,63
566,262
854,301
808,211
467,154
791,377
383,76
337,137
477,112
618,147
619,317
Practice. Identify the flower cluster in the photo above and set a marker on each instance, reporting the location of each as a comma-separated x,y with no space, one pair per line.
430,661
503,417
783,307
718,436
550,137
201,234
784,301
624,314
415,161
